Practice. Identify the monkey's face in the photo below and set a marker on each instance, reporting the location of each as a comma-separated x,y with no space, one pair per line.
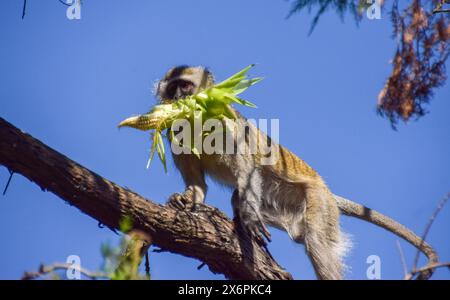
183,81
179,89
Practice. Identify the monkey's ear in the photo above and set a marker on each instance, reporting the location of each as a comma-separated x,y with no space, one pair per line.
160,88
208,76
155,88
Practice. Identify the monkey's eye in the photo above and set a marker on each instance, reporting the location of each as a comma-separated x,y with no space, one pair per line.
171,89
186,85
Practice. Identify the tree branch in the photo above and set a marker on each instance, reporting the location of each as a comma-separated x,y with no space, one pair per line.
206,234
45,270
426,269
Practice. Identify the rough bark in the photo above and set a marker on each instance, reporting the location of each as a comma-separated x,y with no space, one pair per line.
206,234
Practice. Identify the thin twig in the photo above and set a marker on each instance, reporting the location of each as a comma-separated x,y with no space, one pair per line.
24,9
439,207
11,173
426,269
439,9
44,270
66,4
147,265
402,258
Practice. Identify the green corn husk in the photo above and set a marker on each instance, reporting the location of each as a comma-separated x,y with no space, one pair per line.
212,103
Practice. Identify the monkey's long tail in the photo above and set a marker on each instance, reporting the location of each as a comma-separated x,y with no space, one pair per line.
362,212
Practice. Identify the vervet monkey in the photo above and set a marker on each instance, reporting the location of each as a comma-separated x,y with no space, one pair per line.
288,194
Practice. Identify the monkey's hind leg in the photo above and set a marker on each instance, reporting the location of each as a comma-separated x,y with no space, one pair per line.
324,242
246,202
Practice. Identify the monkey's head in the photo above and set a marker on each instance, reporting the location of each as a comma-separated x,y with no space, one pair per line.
182,81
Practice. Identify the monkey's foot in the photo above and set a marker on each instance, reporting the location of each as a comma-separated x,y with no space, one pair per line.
258,231
183,201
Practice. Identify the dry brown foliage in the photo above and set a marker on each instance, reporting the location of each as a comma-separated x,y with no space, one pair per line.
419,61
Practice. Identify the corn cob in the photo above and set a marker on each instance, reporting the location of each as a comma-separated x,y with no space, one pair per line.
212,103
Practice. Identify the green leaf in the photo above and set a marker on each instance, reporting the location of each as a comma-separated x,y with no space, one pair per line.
195,152
245,84
246,103
241,73
230,83
152,151
161,151
229,113
126,224
239,100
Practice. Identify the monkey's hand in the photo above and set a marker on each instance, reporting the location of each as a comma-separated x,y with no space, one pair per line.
182,201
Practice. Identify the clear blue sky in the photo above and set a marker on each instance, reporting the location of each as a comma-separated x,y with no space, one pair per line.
69,83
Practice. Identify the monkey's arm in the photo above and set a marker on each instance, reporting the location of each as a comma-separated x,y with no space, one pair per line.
362,212
194,179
